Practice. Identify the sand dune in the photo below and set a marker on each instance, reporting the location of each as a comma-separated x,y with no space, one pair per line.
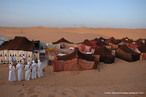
46,34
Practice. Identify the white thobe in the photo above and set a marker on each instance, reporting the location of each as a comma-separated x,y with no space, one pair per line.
19,67
40,66
12,76
27,72
33,70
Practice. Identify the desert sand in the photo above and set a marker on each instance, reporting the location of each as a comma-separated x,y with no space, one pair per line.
46,34
120,76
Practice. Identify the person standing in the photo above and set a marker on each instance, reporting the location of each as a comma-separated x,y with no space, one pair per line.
27,71
40,67
19,68
33,67
12,58
23,58
12,76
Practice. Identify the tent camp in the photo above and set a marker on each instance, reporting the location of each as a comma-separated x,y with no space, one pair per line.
105,54
3,39
125,53
17,47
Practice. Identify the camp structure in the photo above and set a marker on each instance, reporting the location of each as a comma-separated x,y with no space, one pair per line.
3,39
17,47
105,54
94,41
142,50
86,46
126,40
125,53
73,62
141,40
113,43
63,43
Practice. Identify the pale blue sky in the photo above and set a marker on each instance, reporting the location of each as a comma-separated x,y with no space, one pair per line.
73,13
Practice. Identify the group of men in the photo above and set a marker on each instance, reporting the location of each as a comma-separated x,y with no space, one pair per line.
36,69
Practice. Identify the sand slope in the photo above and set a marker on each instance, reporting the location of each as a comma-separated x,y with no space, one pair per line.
120,76
46,34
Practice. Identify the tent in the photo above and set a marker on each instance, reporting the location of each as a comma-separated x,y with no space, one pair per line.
62,40
100,42
105,54
94,41
87,57
125,53
63,43
86,46
143,52
73,62
113,42
17,47
126,40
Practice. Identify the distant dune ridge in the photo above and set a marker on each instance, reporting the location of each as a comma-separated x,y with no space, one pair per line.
51,34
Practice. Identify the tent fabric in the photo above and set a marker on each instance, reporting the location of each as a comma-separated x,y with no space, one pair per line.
113,41
87,42
73,65
100,43
68,56
143,52
114,46
105,54
62,40
126,40
87,57
123,55
142,49
133,45
127,54
143,56
18,43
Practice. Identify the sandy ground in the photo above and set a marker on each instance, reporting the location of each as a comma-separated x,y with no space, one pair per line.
120,76
46,34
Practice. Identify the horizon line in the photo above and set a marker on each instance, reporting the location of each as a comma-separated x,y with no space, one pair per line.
74,27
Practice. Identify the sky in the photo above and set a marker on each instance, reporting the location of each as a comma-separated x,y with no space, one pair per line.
73,13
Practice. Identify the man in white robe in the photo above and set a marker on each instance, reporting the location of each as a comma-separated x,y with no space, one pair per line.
27,71
19,68
39,68
12,76
33,67
23,58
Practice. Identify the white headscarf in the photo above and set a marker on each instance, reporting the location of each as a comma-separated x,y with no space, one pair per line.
33,61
